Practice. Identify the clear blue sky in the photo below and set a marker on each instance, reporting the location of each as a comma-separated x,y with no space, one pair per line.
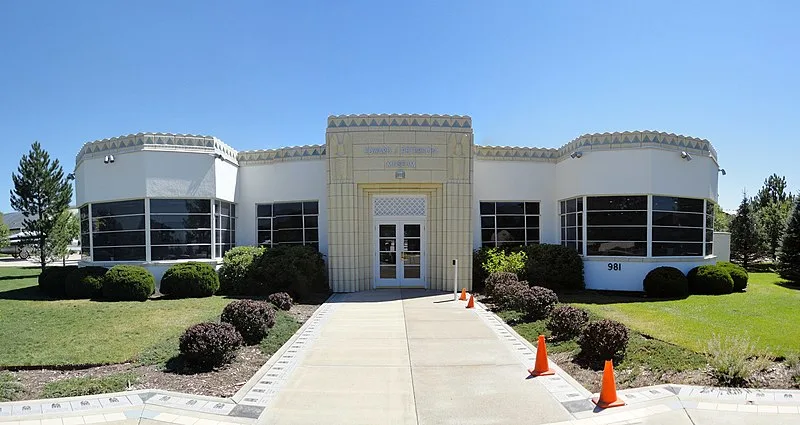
530,73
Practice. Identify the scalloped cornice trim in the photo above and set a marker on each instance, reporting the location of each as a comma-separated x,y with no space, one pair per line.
294,153
156,141
419,122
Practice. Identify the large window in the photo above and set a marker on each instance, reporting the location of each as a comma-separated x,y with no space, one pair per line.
180,229
709,228
225,223
86,252
288,223
616,225
572,223
677,226
509,223
118,231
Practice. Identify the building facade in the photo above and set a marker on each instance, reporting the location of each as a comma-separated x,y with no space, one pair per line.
392,200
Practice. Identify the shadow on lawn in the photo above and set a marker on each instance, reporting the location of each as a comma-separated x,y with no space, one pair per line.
607,297
789,285
29,293
22,276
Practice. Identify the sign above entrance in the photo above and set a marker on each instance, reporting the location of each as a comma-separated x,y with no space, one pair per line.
400,150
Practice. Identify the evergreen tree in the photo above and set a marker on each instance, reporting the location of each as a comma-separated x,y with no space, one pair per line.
722,220
66,229
789,254
745,242
770,222
41,193
773,192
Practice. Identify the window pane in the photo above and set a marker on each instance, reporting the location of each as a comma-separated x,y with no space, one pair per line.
85,240
563,207
571,233
531,208
510,208
572,205
532,221
487,235
311,207
709,235
180,206
170,237
310,221
411,230
709,248
663,249
180,222
507,235
677,234
579,220
118,208
487,222
118,238
180,252
84,212
563,220
616,203
616,233
487,207
224,208
580,204
264,224
669,203
709,207
224,237
133,253
629,249
312,235
287,208
284,236
264,210
107,224
506,221
264,238
710,221
533,235
626,218
677,219
288,222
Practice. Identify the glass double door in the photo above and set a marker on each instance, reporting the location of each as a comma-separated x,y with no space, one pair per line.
400,256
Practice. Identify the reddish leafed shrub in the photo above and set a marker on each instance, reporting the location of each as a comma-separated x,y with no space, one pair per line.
603,340
251,318
537,302
281,300
567,321
209,345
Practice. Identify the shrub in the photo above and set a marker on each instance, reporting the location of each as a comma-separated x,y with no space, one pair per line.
235,268
281,300
52,280
666,282
738,274
87,385
128,283
85,282
500,259
567,321
208,345
251,318
554,266
479,275
733,360
10,388
190,280
603,340
296,269
508,295
537,302
710,280
496,279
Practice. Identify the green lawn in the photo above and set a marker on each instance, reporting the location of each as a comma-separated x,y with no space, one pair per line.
37,331
767,313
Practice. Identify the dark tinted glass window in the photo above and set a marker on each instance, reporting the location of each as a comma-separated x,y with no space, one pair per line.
264,210
630,249
532,208
84,212
677,234
599,203
616,233
616,218
288,223
287,208
310,207
677,219
134,253
126,222
487,207
616,225
180,206
509,223
668,203
105,209
180,252
172,237
180,222
666,249
510,208
118,238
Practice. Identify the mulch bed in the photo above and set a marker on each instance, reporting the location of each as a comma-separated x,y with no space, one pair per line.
222,382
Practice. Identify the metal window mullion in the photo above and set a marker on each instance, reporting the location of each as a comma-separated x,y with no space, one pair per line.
91,237
214,228
147,255
705,224
649,226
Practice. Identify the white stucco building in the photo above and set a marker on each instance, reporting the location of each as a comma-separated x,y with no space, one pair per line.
391,200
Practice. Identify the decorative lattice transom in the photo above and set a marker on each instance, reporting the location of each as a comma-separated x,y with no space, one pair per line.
393,206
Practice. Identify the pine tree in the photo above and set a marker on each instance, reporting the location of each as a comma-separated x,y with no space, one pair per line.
41,192
745,240
789,254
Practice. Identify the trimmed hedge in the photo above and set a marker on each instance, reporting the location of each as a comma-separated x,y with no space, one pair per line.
208,345
190,280
710,280
52,280
296,269
603,340
85,282
738,274
235,267
281,300
537,302
567,321
251,318
128,283
554,267
666,282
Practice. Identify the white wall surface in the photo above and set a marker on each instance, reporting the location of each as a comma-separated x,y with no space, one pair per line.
280,182
722,246
516,181
226,178
631,272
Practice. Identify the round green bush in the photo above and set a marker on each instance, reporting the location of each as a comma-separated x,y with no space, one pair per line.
281,300
128,283
603,340
296,269
537,302
710,280
251,318
508,295
554,266
190,280
85,282
738,274
208,345
567,321
498,278
236,265
666,282
52,280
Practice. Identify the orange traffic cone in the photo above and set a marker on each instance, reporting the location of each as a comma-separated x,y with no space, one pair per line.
471,302
608,392
542,367
463,296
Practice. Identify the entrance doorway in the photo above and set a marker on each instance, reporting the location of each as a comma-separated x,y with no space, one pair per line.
400,254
